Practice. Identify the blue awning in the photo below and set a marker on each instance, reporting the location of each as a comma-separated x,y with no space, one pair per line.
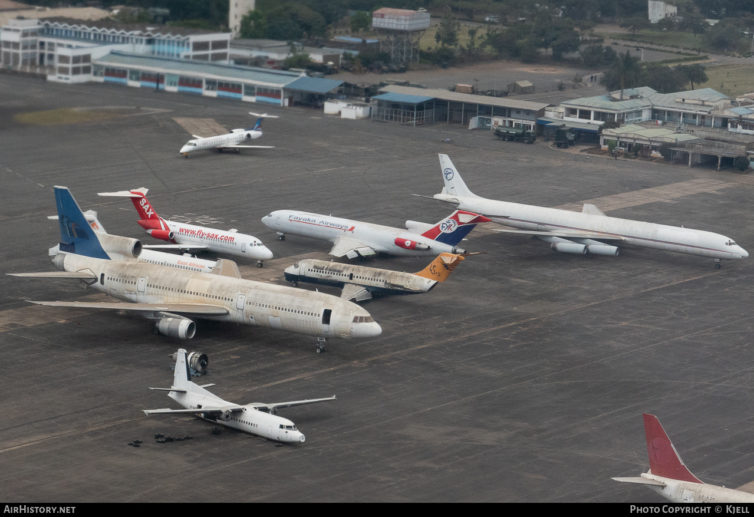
313,85
402,98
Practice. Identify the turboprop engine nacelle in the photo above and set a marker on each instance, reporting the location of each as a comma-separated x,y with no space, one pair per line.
182,328
163,235
409,244
120,245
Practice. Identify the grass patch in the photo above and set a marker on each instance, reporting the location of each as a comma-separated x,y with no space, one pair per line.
427,41
68,116
684,40
732,80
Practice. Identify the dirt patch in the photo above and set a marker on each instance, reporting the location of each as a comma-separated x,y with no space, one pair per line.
71,115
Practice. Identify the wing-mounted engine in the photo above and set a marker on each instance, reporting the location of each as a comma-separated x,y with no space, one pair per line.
116,244
197,363
418,227
163,235
173,326
409,243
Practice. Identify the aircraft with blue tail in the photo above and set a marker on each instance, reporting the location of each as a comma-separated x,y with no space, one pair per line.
232,140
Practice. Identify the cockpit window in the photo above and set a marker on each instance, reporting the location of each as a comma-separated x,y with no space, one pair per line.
362,319
730,243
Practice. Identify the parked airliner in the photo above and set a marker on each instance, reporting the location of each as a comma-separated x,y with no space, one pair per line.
189,236
172,296
231,140
669,476
359,283
588,231
256,418
358,239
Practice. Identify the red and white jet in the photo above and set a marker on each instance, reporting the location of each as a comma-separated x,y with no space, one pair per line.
192,237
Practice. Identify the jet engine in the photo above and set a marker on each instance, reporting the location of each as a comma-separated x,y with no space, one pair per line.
182,328
120,245
569,247
409,244
164,235
197,363
603,249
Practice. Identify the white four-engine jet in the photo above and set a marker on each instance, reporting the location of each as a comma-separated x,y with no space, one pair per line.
589,231
256,418
173,296
359,239
190,236
670,477
231,140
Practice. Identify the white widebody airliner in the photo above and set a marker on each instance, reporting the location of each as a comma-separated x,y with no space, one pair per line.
114,249
589,231
360,282
172,296
232,140
358,239
190,236
256,418
670,477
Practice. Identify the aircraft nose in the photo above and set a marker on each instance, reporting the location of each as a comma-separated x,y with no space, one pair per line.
743,252
264,253
371,329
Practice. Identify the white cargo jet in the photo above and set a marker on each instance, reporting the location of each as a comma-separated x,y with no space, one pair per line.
358,239
115,249
359,283
669,476
256,418
189,236
588,231
231,140
173,296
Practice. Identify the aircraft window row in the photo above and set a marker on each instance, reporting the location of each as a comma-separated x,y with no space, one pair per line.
285,309
184,291
178,266
247,422
362,319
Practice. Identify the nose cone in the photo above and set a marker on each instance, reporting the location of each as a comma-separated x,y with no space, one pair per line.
370,329
185,149
262,252
269,221
291,270
742,252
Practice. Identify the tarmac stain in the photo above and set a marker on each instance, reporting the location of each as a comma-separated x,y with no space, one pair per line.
70,116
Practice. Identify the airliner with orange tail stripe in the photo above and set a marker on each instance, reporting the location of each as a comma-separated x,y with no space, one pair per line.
359,239
670,477
189,236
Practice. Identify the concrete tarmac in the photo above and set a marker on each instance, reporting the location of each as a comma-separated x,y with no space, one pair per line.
521,379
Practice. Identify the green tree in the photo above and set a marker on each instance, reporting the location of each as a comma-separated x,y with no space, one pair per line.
360,21
447,32
254,25
694,74
624,73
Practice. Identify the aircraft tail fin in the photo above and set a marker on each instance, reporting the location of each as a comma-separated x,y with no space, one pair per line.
454,184
664,460
76,235
441,267
260,117
139,199
182,374
455,227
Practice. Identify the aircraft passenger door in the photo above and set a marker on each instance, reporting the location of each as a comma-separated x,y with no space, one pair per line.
141,285
326,315
240,301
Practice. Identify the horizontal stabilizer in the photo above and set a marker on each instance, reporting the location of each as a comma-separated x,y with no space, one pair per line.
355,292
181,308
641,481
248,147
263,115
137,193
80,275
168,389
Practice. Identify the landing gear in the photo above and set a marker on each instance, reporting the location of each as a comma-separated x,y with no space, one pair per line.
321,342
718,264
260,263
281,236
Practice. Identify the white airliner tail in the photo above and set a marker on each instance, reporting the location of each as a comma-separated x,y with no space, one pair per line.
182,375
454,184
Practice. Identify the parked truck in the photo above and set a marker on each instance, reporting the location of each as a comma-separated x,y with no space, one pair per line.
515,134
564,137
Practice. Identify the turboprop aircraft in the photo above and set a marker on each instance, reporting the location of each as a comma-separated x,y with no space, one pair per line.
182,261
359,283
589,231
256,418
231,140
669,476
358,239
171,297
192,237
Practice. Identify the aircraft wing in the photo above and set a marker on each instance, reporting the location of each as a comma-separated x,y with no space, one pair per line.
248,146
355,292
640,481
351,248
81,275
281,405
566,234
181,308
207,409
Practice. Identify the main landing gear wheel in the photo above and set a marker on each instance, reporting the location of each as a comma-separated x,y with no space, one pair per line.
321,342
260,263
718,264
281,236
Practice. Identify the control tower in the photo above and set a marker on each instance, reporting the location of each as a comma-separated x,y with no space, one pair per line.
400,31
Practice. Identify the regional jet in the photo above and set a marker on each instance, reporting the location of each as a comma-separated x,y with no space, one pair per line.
359,283
587,232
189,236
256,418
358,239
669,476
171,297
231,140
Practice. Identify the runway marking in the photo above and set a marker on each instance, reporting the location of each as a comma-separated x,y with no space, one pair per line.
200,126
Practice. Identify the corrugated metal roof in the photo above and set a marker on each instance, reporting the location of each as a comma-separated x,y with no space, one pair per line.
649,133
402,98
313,85
264,76
582,126
607,103
468,98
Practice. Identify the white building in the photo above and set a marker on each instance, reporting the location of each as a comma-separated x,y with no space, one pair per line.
237,9
659,10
